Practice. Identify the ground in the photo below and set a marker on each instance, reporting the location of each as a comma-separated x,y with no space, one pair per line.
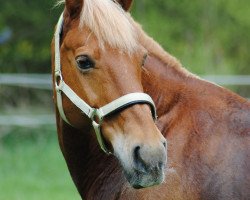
32,166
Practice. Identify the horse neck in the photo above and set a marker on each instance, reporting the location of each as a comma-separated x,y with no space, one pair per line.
177,92
197,117
163,77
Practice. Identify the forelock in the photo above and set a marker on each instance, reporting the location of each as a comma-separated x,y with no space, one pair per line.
110,24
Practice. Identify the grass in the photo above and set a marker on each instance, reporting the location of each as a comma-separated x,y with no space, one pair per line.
32,166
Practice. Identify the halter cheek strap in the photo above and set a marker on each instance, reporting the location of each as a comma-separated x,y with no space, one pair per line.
95,114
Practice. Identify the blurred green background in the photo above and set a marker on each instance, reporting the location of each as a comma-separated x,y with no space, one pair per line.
208,37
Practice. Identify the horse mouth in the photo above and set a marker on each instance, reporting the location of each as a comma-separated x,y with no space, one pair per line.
140,180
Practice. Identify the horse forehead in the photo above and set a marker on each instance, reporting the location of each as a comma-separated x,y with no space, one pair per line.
76,38
84,39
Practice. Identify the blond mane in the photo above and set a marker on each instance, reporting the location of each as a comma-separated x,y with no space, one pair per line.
155,49
110,24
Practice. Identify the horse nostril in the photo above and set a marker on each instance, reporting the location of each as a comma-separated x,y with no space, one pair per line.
139,163
148,159
160,165
136,152
164,144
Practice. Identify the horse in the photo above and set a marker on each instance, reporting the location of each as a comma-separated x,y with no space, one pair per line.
196,148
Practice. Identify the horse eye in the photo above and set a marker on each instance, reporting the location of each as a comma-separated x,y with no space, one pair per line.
85,63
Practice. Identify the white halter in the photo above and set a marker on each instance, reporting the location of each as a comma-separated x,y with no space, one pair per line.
93,113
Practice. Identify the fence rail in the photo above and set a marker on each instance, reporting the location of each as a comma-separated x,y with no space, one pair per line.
228,79
39,81
27,120
43,81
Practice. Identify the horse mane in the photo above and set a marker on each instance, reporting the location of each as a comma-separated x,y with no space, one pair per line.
110,24
155,49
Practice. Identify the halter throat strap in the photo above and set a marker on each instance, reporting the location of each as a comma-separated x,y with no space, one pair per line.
95,114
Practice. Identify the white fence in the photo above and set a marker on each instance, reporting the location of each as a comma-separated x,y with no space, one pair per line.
27,120
39,81
228,79
44,82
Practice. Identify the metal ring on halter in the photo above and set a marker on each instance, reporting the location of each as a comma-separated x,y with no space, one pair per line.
58,82
97,115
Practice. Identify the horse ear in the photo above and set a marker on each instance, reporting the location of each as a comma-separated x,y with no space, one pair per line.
126,4
73,7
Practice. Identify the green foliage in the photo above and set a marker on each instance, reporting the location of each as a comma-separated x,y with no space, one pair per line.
209,37
31,23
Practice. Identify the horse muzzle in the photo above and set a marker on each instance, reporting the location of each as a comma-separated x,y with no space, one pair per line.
146,166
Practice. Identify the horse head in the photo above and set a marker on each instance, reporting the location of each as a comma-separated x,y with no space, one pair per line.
101,60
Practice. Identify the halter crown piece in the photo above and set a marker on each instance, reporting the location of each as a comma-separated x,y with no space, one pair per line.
93,113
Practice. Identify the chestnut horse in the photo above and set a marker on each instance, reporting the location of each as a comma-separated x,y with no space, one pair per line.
103,54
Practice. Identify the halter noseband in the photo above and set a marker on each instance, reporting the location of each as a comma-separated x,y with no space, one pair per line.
93,113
